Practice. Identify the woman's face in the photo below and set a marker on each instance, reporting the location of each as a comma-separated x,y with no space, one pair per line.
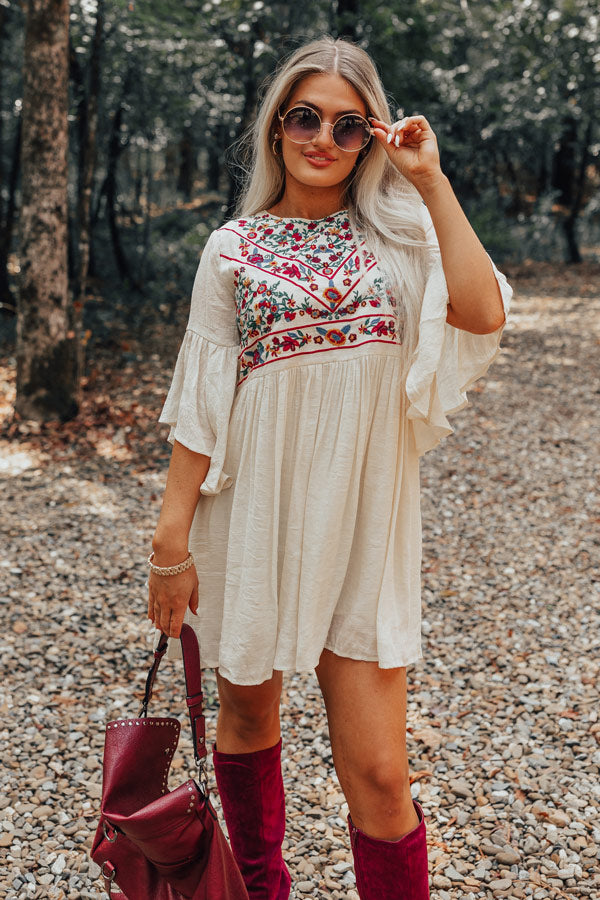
321,163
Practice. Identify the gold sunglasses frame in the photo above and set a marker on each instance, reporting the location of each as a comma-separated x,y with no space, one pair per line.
331,125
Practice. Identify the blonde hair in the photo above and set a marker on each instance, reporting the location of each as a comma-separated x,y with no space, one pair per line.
382,204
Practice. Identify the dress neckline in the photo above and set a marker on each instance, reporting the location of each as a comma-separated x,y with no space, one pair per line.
339,212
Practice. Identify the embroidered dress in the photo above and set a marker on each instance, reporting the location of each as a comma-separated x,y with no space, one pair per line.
308,532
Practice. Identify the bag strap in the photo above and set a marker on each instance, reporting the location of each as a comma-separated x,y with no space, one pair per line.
193,684
160,651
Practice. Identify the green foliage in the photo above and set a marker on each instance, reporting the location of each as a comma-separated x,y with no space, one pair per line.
487,215
511,87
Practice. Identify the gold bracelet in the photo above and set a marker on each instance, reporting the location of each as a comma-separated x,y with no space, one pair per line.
171,570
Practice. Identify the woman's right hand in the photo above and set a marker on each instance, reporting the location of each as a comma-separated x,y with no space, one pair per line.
168,598
170,595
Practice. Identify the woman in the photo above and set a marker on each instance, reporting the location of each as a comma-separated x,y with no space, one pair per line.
334,324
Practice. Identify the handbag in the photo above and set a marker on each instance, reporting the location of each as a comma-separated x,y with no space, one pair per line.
152,843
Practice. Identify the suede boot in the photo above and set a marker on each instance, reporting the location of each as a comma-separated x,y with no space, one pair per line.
251,790
391,870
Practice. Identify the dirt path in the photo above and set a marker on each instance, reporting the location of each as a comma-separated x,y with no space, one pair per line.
503,711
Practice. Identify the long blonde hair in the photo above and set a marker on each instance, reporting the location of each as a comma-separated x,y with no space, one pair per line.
382,204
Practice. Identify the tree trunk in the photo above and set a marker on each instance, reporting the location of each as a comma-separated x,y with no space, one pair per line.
46,375
565,162
250,86
569,178
147,222
9,214
571,221
7,209
213,172
187,165
115,148
347,17
87,162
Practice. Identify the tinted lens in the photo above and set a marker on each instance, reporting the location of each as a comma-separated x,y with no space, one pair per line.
351,133
301,124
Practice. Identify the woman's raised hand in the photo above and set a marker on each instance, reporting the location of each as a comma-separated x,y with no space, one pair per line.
411,146
168,598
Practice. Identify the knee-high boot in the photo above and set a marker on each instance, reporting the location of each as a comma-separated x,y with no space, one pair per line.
251,790
391,870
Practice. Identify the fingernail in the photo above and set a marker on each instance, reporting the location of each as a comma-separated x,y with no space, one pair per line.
389,138
397,141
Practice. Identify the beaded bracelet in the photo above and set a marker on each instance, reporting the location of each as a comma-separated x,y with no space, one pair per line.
171,570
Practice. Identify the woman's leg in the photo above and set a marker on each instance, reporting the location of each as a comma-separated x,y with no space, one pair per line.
247,761
366,709
248,715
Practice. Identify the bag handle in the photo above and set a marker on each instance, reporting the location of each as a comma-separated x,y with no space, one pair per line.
193,685
159,652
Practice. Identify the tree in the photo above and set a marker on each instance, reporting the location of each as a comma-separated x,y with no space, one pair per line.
46,382
10,140
87,121
519,81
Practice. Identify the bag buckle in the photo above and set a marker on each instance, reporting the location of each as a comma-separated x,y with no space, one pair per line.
202,775
110,833
109,873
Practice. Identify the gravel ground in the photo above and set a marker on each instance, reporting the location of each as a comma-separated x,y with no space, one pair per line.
504,730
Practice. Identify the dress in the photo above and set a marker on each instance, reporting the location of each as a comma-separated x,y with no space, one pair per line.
308,532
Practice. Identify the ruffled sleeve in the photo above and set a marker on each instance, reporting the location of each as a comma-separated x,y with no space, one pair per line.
198,405
447,360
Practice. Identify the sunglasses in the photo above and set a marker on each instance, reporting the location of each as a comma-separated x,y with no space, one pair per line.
302,124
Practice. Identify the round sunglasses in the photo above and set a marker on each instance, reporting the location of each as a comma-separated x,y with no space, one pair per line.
302,124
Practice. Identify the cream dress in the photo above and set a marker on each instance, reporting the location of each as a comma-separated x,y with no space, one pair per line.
308,532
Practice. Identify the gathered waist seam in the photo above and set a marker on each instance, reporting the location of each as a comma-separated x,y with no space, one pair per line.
297,362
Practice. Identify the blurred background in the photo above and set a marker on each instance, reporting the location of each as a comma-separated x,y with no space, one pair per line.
159,92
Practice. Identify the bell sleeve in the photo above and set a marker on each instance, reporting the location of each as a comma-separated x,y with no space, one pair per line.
447,360
199,401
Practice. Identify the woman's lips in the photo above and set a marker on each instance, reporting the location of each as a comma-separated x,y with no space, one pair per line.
319,163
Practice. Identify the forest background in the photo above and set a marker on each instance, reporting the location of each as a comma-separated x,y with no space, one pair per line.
158,95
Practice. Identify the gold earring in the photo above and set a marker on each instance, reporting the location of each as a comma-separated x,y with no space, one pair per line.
275,139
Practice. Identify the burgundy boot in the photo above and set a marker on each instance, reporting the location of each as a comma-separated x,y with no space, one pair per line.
391,870
251,790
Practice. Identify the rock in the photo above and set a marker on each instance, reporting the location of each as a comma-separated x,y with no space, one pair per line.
428,736
460,787
342,867
451,873
488,847
59,864
508,856
531,844
559,818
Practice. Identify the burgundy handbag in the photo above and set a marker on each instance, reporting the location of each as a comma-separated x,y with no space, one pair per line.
156,844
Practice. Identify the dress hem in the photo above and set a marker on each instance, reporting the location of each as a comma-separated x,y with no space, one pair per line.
174,652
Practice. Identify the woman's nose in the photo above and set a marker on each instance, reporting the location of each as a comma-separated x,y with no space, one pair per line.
325,135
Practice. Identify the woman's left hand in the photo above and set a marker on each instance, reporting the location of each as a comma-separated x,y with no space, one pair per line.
411,146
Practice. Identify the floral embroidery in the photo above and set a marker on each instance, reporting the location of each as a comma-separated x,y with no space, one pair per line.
312,274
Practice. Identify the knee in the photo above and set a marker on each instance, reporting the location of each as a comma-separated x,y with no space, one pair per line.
384,775
250,709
